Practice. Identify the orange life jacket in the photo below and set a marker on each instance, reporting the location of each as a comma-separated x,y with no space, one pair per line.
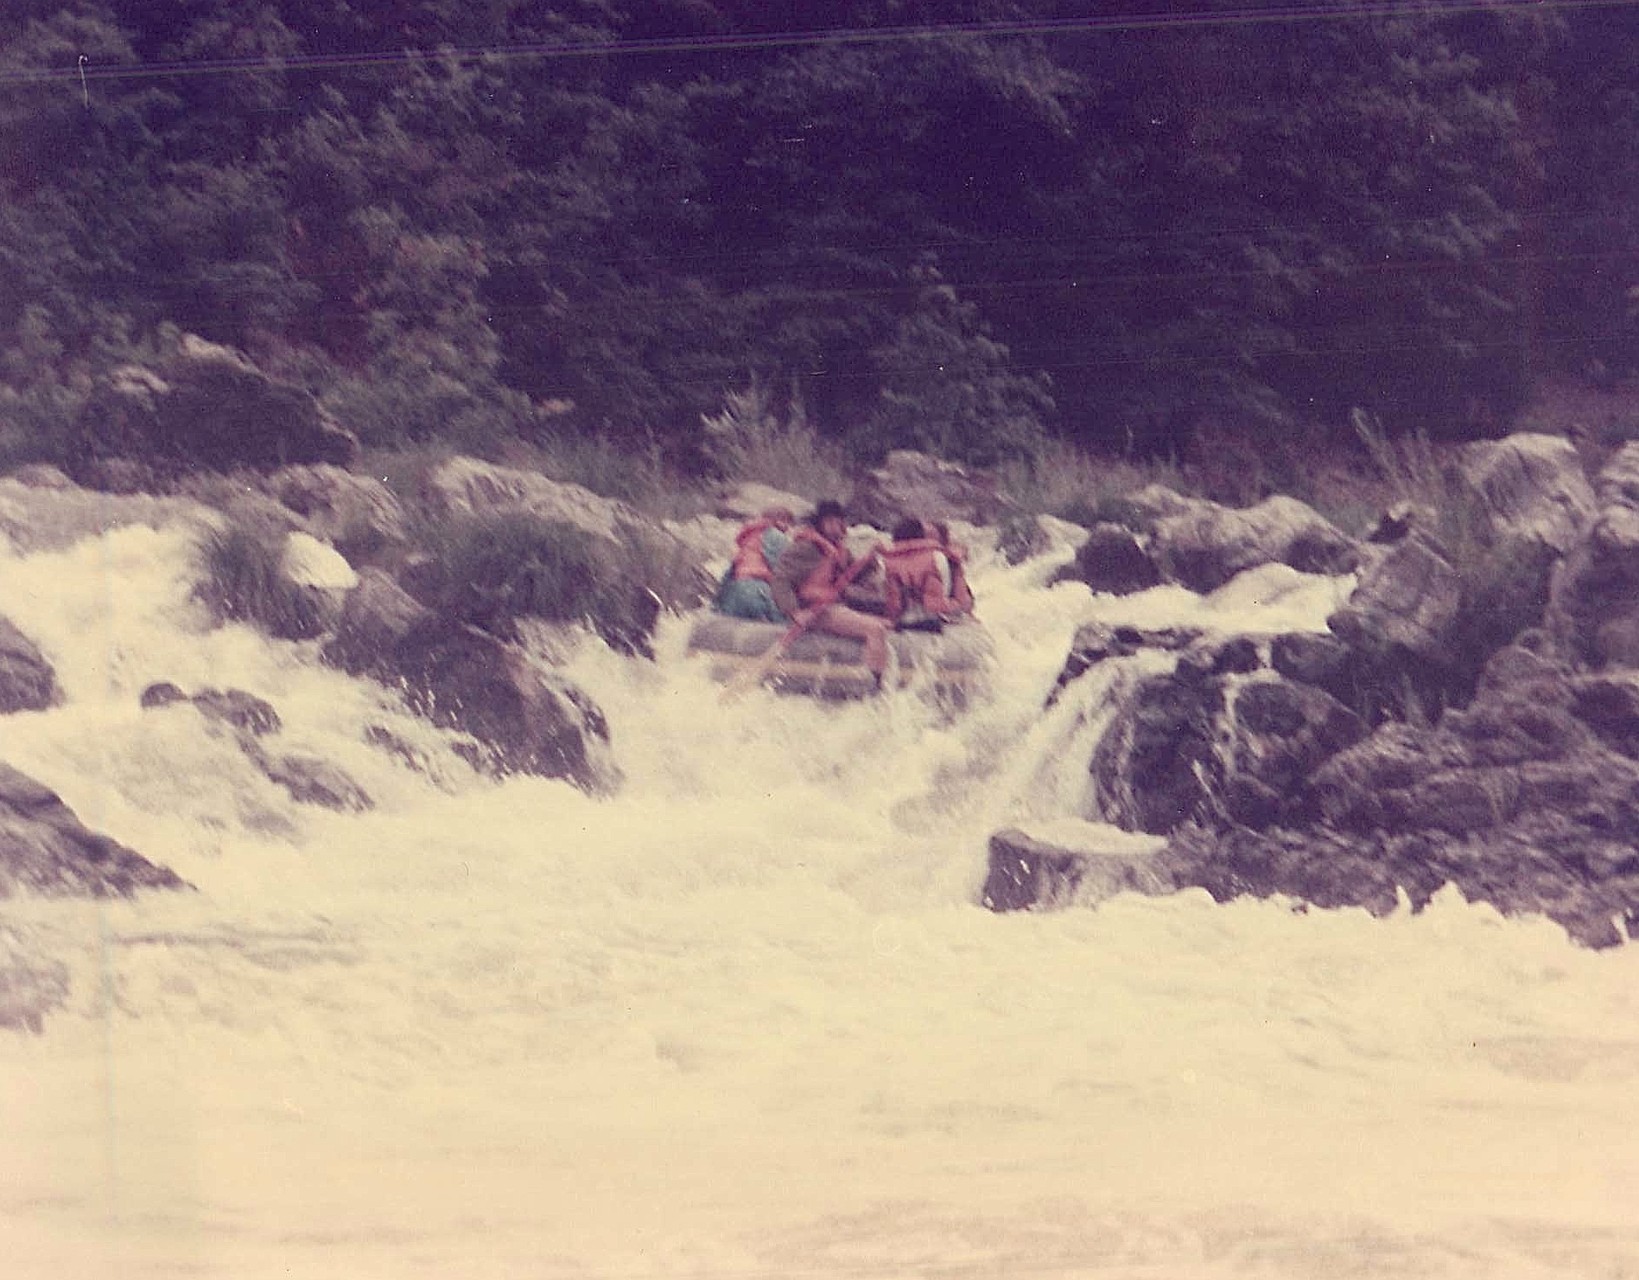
821,586
749,560
915,578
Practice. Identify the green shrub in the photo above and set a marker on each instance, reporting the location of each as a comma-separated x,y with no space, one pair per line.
494,569
241,579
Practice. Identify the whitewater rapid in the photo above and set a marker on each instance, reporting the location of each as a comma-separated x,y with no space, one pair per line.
744,1018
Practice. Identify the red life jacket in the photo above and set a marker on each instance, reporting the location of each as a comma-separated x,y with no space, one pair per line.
916,578
820,586
749,560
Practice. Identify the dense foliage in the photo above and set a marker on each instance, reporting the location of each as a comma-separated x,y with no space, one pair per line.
956,226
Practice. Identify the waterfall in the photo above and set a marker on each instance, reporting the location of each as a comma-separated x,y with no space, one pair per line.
744,1016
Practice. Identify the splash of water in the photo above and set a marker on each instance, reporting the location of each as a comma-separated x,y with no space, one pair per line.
744,1017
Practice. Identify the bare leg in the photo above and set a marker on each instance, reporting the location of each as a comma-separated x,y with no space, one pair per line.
840,620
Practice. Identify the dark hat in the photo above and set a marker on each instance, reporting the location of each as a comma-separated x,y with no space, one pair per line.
826,508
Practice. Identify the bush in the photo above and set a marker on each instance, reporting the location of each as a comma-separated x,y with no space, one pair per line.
492,570
241,579
1061,480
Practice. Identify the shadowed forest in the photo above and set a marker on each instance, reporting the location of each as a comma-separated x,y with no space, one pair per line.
967,228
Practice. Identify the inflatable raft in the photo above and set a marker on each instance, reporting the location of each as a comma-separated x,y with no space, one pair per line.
953,665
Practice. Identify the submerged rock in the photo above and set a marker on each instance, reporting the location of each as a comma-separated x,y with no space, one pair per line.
45,849
1029,871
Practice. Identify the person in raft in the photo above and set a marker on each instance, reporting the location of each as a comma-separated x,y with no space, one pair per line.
746,590
926,586
811,575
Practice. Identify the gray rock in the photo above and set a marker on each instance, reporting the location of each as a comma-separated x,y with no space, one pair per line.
912,483
1113,559
27,681
311,780
1528,490
1408,599
360,515
44,849
1096,642
466,486
375,618
1203,545
242,711
1594,599
1026,872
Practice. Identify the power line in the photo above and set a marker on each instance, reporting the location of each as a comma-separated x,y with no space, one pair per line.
730,43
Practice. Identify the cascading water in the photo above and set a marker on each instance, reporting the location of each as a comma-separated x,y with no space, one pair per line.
743,1017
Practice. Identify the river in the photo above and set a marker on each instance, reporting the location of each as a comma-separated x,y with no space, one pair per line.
743,1018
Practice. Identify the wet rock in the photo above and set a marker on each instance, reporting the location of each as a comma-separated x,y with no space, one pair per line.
240,710
1028,872
375,618
1204,545
30,986
1095,642
1156,766
1112,559
27,680
311,780
912,483
45,849
206,406
527,719
1319,660
161,694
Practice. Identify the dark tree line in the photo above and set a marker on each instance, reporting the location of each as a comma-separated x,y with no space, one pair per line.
953,225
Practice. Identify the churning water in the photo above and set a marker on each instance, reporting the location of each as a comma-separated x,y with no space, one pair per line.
744,1018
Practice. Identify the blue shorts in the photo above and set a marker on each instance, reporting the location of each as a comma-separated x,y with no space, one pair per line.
749,598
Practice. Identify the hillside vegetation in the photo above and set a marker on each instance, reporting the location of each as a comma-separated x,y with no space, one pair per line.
962,227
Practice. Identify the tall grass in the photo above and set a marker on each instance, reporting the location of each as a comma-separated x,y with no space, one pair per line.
753,437
242,579
1062,480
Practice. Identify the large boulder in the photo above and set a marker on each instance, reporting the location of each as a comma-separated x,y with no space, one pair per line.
912,483
1407,600
45,849
1113,559
1529,491
1203,545
526,719
206,406
27,681
358,514
375,618
1594,600
464,486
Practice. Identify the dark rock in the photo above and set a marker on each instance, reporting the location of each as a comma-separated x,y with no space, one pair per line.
311,780
1204,545
243,711
376,616
1026,872
1154,768
1113,559
209,407
45,849
1594,600
1609,705
161,694
1319,660
527,719
1094,642
1234,655
911,483
27,681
